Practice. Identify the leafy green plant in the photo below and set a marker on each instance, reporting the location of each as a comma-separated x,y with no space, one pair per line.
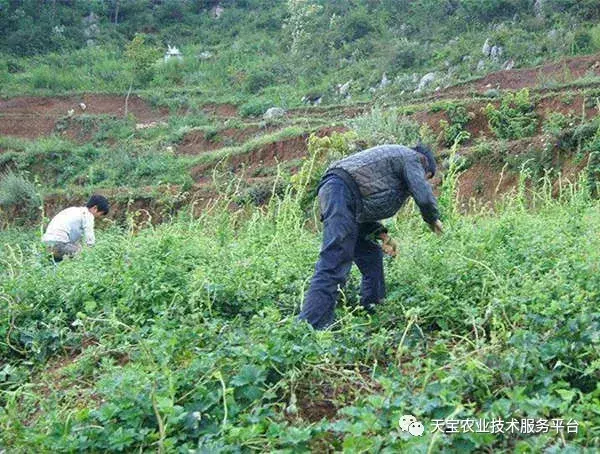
322,151
386,126
454,129
16,191
515,118
255,107
556,122
142,58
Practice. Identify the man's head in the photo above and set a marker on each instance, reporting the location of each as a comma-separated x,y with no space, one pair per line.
98,205
427,158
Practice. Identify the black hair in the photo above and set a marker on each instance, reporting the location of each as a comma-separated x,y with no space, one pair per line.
100,202
426,151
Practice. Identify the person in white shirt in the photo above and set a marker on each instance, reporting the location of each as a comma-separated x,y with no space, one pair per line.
63,235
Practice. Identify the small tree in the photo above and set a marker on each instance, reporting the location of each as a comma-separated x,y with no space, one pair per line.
142,58
297,23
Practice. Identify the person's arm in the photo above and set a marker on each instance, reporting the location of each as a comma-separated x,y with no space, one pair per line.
88,229
420,190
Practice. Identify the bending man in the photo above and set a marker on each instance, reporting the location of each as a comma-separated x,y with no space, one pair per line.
354,194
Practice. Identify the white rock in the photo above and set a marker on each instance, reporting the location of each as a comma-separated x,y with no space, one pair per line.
82,106
496,53
508,65
426,80
172,52
344,90
218,11
274,112
206,55
384,81
487,48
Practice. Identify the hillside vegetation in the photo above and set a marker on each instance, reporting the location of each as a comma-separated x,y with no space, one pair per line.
177,332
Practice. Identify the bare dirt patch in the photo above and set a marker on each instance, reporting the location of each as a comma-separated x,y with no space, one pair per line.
32,117
197,142
563,71
277,152
485,184
220,110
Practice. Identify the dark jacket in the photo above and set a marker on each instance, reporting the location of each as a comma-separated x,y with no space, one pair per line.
382,178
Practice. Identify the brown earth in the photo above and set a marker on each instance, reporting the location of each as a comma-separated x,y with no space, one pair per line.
196,142
220,110
563,71
32,117
265,156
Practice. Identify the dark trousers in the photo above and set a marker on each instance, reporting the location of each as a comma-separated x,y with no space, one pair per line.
342,245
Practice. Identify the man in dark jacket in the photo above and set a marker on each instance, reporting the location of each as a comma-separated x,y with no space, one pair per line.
354,194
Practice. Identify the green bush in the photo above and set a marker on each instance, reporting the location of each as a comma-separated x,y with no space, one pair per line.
515,118
17,192
454,129
582,41
386,126
257,81
255,107
556,122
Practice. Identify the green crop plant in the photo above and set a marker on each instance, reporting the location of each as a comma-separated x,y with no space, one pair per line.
454,128
184,337
515,118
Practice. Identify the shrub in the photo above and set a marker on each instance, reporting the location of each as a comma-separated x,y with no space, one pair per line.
169,73
255,107
454,130
582,41
555,123
142,57
17,192
322,151
258,80
386,126
515,118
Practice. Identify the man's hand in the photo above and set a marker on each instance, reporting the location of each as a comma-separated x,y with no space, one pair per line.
388,245
437,227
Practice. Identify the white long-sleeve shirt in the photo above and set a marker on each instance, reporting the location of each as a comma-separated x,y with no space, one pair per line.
69,225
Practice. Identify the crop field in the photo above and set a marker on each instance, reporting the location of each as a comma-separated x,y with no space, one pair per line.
178,331
183,336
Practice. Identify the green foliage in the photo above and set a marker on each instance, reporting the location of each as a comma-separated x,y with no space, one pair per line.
555,123
387,126
257,81
46,77
142,58
582,41
322,151
454,129
17,193
255,107
15,190
515,118
58,163
185,337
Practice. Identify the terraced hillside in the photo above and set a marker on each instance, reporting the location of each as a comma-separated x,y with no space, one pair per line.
152,158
